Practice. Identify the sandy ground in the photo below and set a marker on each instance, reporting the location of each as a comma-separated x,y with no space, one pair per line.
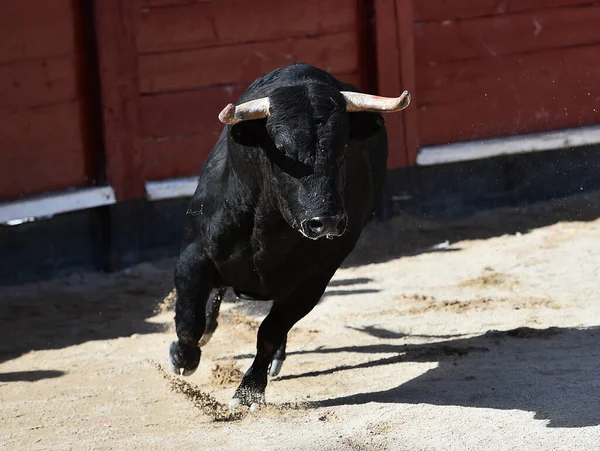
477,334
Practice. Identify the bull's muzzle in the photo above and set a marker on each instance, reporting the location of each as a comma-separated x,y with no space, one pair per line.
324,226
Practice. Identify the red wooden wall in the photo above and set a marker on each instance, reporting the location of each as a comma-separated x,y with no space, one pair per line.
490,68
44,125
195,57
169,66
140,100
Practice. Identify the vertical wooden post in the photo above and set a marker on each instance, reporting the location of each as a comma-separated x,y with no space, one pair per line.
118,66
388,77
396,72
406,43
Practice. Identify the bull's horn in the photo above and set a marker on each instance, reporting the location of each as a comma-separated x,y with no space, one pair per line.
253,109
357,101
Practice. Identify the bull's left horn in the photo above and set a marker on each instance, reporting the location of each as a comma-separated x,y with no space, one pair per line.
357,101
253,109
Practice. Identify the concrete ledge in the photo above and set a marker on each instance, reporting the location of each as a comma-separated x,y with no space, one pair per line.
171,188
19,211
512,145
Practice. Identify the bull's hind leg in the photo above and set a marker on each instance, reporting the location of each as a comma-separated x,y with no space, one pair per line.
272,334
194,276
212,314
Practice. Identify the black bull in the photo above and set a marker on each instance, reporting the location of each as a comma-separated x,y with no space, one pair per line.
281,201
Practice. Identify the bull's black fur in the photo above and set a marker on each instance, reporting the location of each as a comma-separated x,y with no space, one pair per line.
260,184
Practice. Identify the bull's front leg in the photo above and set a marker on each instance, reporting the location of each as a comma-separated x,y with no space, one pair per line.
194,277
272,335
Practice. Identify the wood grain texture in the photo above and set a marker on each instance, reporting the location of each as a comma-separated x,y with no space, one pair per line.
496,36
183,113
448,10
32,29
507,96
45,134
39,82
146,4
176,157
406,36
43,149
389,77
241,64
117,55
203,24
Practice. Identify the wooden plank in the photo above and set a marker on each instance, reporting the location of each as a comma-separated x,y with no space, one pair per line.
506,35
389,77
39,82
477,80
53,128
447,10
183,113
43,149
117,55
490,98
176,157
241,64
145,4
234,21
406,43
515,108
479,99
37,29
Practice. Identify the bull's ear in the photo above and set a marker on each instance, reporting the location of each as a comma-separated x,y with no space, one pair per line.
248,133
364,125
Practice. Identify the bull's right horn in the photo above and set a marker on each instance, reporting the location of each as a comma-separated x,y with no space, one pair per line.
357,101
253,109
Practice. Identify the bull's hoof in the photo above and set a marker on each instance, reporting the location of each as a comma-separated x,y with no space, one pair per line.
183,359
252,399
205,339
275,367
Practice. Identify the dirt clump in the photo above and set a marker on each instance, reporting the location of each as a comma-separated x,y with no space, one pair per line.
490,278
167,304
226,373
479,304
205,402
236,318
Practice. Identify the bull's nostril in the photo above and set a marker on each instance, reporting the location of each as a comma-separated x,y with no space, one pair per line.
315,225
329,226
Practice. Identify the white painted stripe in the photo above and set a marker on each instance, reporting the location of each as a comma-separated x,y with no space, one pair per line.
19,211
171,188
476,150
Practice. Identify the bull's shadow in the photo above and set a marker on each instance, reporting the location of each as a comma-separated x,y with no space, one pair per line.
78,309
552,372
406,235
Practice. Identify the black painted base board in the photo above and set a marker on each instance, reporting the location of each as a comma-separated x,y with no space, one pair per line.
460,189
121,235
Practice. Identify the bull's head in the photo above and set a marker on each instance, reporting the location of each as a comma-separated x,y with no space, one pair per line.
305,131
